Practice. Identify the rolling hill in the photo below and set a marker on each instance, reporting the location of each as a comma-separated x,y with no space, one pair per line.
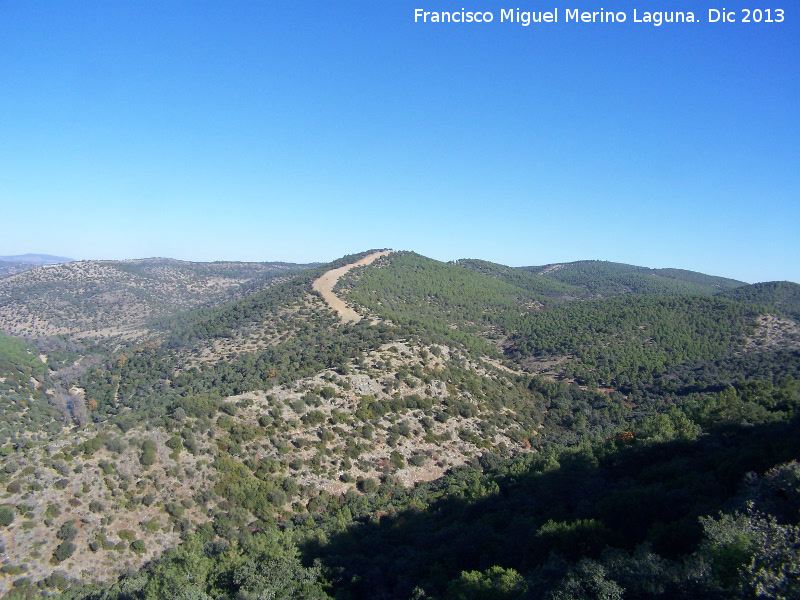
216,430
36,259
779,296
609,278
105,299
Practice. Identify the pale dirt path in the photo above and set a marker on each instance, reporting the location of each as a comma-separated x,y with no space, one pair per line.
324,285
497,364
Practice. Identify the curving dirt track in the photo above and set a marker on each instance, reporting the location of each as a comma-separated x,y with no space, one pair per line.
324,285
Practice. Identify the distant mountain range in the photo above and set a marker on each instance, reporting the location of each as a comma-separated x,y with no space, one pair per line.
11,265
36,259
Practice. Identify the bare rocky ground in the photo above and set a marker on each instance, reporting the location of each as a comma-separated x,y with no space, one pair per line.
320,428
109,496
774,332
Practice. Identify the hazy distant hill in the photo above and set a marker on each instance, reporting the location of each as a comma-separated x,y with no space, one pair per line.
11,265
36,259
99,299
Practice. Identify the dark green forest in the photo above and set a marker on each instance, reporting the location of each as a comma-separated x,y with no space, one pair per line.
782,297
609,278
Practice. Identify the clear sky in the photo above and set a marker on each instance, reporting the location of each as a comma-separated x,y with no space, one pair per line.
302,131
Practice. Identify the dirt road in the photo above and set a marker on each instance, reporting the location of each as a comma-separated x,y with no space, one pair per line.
324,285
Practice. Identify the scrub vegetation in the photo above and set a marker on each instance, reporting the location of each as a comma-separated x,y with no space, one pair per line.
582,430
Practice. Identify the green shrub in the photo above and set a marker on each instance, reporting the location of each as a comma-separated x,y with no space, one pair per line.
148,456
127,535
368,486
397,459
152,525
417,460
174,442
63,551
56,579
68,531
11,569
174,509
6,516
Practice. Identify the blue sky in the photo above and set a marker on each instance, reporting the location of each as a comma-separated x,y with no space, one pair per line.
305,131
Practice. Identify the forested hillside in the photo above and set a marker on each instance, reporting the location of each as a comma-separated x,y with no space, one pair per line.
526,279
609,278
782,297
621,341
586,430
